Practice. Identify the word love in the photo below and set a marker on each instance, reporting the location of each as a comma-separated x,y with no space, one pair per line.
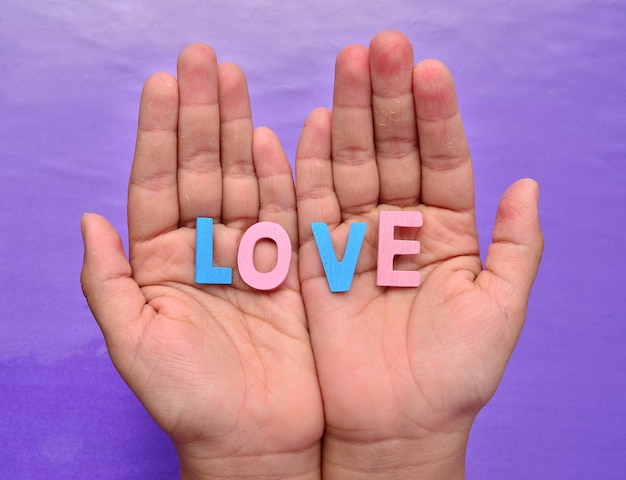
339,273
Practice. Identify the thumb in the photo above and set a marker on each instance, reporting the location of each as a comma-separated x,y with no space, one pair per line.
517,244
113,296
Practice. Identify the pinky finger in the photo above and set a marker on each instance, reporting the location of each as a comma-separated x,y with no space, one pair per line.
277,194
315,191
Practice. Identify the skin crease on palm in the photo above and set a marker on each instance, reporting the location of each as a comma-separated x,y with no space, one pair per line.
298,381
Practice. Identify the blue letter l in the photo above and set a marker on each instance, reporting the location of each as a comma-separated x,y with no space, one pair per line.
205,271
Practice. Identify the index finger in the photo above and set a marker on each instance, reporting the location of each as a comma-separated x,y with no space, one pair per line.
152,188
446,166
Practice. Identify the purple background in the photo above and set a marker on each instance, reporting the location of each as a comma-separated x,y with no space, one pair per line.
542,88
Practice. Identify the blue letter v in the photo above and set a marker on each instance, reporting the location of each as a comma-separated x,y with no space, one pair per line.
339,273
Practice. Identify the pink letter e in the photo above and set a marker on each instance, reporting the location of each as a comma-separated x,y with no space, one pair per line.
389,247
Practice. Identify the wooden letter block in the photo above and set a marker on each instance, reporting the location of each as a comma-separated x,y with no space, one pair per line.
339,273
245,256
389,247
206,273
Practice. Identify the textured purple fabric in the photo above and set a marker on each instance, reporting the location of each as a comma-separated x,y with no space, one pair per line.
542,86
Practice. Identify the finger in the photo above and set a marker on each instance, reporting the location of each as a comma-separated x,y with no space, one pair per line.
315,192
240,191
354,161
277,199
513,257
152,190
113,296
395,130
276,188
447,179
199,171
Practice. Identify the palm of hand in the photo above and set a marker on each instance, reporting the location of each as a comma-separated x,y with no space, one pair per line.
230,358
403,362
221,365
406,361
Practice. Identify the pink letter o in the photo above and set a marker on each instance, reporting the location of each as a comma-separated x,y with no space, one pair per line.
245,256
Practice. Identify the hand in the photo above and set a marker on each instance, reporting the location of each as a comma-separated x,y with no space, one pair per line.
225,370
404,371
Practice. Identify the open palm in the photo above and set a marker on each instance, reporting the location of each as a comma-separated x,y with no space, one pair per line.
399,366
227,371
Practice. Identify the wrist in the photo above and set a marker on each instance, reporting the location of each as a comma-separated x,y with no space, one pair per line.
197,463
440,456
